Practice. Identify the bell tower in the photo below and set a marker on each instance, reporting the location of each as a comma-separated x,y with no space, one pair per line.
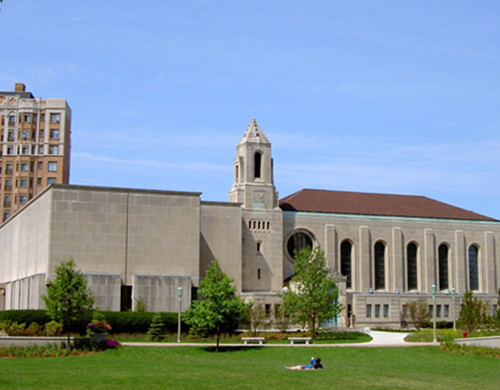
253,182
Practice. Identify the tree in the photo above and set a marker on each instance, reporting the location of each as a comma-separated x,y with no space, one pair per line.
315,298
418,313
257,317
68,300
220,310
472,312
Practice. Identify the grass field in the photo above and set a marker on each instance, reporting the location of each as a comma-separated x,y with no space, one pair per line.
253,368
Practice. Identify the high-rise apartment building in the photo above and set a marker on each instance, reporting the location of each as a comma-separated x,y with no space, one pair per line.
35,136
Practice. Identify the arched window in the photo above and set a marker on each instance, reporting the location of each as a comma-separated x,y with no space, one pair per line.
379,266
443,267
411,266
257,165
346,262
473,274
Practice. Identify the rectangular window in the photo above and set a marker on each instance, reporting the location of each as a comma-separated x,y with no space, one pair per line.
6,201
446,311
438,311
8,184
377,311
26,150
24,182
52,166
368,311
431,311
24,167
9,151
53,149
42,134
54,134
386,311
26,134
10,136
40,149
22,199
12,119
42,117
8,169
39,181
27,118
55,118
40,165
51,180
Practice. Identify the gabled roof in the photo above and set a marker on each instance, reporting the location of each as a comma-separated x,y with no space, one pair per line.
361,203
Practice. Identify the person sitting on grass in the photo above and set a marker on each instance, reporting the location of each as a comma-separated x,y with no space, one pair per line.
315,365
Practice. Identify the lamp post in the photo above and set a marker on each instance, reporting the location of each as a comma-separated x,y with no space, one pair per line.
179,298
453,295
433,292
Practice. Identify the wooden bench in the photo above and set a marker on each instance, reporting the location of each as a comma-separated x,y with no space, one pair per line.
294,340
247,340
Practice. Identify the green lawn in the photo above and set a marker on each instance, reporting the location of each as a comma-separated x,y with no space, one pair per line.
253,368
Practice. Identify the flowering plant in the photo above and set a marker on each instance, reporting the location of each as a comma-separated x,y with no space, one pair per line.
112,343
98,327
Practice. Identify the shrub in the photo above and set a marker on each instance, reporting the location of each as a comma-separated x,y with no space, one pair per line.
25,316
33,330
53,329
156,331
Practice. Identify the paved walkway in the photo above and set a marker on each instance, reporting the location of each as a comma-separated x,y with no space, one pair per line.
379,339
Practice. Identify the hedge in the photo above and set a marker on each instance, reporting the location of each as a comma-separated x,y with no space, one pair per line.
121,322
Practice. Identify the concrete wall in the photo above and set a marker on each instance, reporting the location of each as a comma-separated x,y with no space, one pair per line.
159,293
106,290
221,239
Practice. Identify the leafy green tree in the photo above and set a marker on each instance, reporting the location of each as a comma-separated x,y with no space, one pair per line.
472,312
68,300
314,295
220,310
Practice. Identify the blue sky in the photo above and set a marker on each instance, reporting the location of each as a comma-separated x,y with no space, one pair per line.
374,96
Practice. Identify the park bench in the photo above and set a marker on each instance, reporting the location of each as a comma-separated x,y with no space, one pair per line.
247,340
294,340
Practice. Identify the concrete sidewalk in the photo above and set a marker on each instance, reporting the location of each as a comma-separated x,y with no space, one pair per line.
379,339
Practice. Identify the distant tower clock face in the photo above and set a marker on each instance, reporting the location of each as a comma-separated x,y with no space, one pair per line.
259,199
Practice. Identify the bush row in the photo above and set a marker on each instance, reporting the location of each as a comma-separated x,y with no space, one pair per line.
121,322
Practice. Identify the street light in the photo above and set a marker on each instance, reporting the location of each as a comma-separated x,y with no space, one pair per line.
453,295
179,298
433,292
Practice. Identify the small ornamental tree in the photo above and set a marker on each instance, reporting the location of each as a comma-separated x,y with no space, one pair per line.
314,295
418,313
68,300
220,310
472,312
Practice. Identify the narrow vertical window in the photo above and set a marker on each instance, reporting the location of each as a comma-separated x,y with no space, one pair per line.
443,266
258,273
411,266
377,311
368,311
257,165
473,274
386,311
379,266
346,261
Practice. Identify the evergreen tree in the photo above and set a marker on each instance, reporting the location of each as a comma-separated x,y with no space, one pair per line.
156,330
68,300
220,310
314,295
472,312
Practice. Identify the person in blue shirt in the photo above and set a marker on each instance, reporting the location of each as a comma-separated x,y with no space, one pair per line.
315,365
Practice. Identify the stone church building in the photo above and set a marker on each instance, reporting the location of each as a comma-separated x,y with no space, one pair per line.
384,250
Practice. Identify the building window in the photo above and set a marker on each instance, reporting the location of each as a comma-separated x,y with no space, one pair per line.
6,216
24,167
22,199
346,261
27,118
6,201
8,169
12,119
39,181
52,166
8,184
377,311
259,246
473,274
257,165
386,311
379,266
368,311
10,136
443,267
53,149
55,118
40,165
40,149
9,151
26,150
24,183
54,134
258,273
438,311
26,134
297,242
411,266
446,311
430,309
51,180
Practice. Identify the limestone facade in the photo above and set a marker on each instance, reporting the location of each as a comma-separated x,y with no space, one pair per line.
142,245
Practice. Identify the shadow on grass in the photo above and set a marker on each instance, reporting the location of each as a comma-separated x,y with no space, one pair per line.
229,349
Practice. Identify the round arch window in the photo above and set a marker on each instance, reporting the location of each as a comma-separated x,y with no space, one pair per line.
298,241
